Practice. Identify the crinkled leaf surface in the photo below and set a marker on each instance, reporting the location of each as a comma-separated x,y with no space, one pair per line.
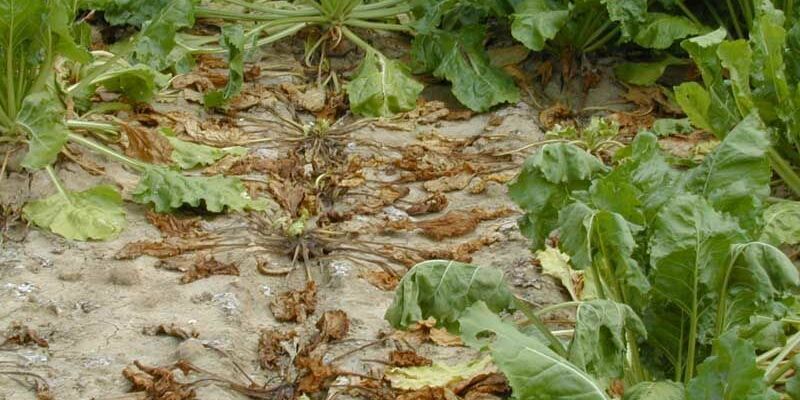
534,22
599,345
628,13
42,120
168,190
96,213
781,223
662,390
737,58
438,374
188,155
731,373
533,370
382,87
556,264
660,31
126,12
139,83
460,58
155,41
233,39
443,290
735,178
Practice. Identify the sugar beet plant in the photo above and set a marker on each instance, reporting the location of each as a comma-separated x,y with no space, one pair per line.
688,295
35,35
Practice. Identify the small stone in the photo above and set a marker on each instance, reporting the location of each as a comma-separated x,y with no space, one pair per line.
70,276
125,276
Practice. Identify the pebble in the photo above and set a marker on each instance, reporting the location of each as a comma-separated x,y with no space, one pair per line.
125,275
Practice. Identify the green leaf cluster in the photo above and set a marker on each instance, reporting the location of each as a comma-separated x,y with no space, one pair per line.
685,290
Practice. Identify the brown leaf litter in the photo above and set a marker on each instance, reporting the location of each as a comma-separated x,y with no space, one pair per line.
453,224
435,203
159,383
408,358
426,331
381,279
206,265
171,329
146,145
295,305
165,248
22,335
333,325
170,225
271,350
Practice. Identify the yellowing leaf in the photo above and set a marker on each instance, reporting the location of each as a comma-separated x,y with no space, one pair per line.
438,375
556,264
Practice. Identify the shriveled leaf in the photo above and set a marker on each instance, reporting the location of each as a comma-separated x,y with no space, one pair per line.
233,39
438,374
662,390
533,370
731,373
42,120
382,87
599,345
169,190
556,264
534,22
460,58
781,223
443,290
644,73
188,155
96,213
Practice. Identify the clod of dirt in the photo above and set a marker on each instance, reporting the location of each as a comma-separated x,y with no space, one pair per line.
270,348
170,225
333,325
158,383
22,335
295,305
381,279
70,276
171,330
206,265
124,275
408,358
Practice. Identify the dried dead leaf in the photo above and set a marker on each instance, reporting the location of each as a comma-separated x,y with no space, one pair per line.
206,265
459,222
171,329
556,114
317,375
333,325
170,225
311,99
295,305
381,279
435,203
428,393
484,387
448,183
408,358
22,335
157,383
192,80
168,247
426,331
271,351
146,145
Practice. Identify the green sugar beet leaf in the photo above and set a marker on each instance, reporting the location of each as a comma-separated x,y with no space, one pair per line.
663,390
781,224
731,373
188,155
382,87
443,290
42,120
534,22
139,83
169,190
460,58
233,39
157,38
96,213
533,370
659,31
599,344
644,73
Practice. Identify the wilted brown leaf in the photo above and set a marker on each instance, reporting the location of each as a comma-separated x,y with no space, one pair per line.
433,204
22,335
192,80
206,265
483,387
459,223
428,393
426,330
295,305
316,376
448,183
171,330
333,325
553,115
168,247
157,383
381,279
310,99
146,145
270,349
170,225
408,358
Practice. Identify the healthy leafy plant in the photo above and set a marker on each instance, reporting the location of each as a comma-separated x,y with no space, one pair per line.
682,288
741,77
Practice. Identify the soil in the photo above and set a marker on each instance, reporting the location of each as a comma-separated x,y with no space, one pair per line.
92,308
